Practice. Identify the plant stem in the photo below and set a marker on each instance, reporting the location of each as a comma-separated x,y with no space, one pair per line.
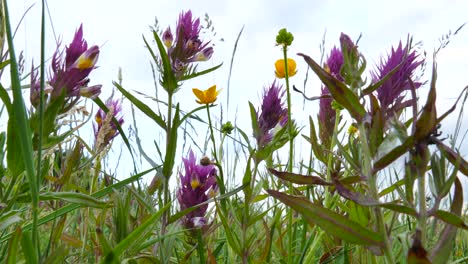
290,124
291,149
165,217
200,246
327,201
422,206
373,191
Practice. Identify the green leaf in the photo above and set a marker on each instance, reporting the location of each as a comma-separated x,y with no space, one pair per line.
24,135
333,223
313,140
143,107
13,247
9,218
80,199
253,118
14,153
400,208
451,219
427,121
344,96
169,81
455,158
298,178
5,99
142,229
169,159
232,240
393,155
445,244
200,73
28,247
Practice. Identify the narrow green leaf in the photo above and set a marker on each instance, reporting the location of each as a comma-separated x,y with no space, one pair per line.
80,199
400,208
455,158
393,155
331,222
427,121
313,140
13,247
28,248
169,81
143,107
24,134
133,236
200,73
298,178
344,96
9,218
232,240
445,244
169,159
5,99
451,219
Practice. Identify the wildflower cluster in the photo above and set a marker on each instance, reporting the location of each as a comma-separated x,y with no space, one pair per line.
69,74
105,129
197,185
186,48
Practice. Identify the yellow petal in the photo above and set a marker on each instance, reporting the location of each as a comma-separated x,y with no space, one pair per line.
279,65
199,94
291,67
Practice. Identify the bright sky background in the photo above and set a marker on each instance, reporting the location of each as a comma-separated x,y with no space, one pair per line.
117,26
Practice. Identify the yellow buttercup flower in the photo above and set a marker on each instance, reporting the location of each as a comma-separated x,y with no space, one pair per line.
280,72
207,96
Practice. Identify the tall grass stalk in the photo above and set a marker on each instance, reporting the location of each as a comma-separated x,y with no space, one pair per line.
24,132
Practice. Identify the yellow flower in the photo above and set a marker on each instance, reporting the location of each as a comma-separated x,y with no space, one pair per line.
279,65
208,96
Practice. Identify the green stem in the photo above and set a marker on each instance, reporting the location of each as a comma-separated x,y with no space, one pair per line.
165,217
222,189
200,246
327,201
246,216
422,206
290,124
291,149
373,191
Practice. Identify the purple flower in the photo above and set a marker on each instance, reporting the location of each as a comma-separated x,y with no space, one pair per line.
198,184
187,46
69,76
105,129
347,45
273,113
335,62
327,114
35,90
167,37
391,93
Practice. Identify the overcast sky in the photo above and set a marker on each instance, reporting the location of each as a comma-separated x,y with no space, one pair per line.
117,26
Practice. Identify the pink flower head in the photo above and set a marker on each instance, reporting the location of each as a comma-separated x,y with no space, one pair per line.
69,76
391,93
197,185
187,47
273,113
